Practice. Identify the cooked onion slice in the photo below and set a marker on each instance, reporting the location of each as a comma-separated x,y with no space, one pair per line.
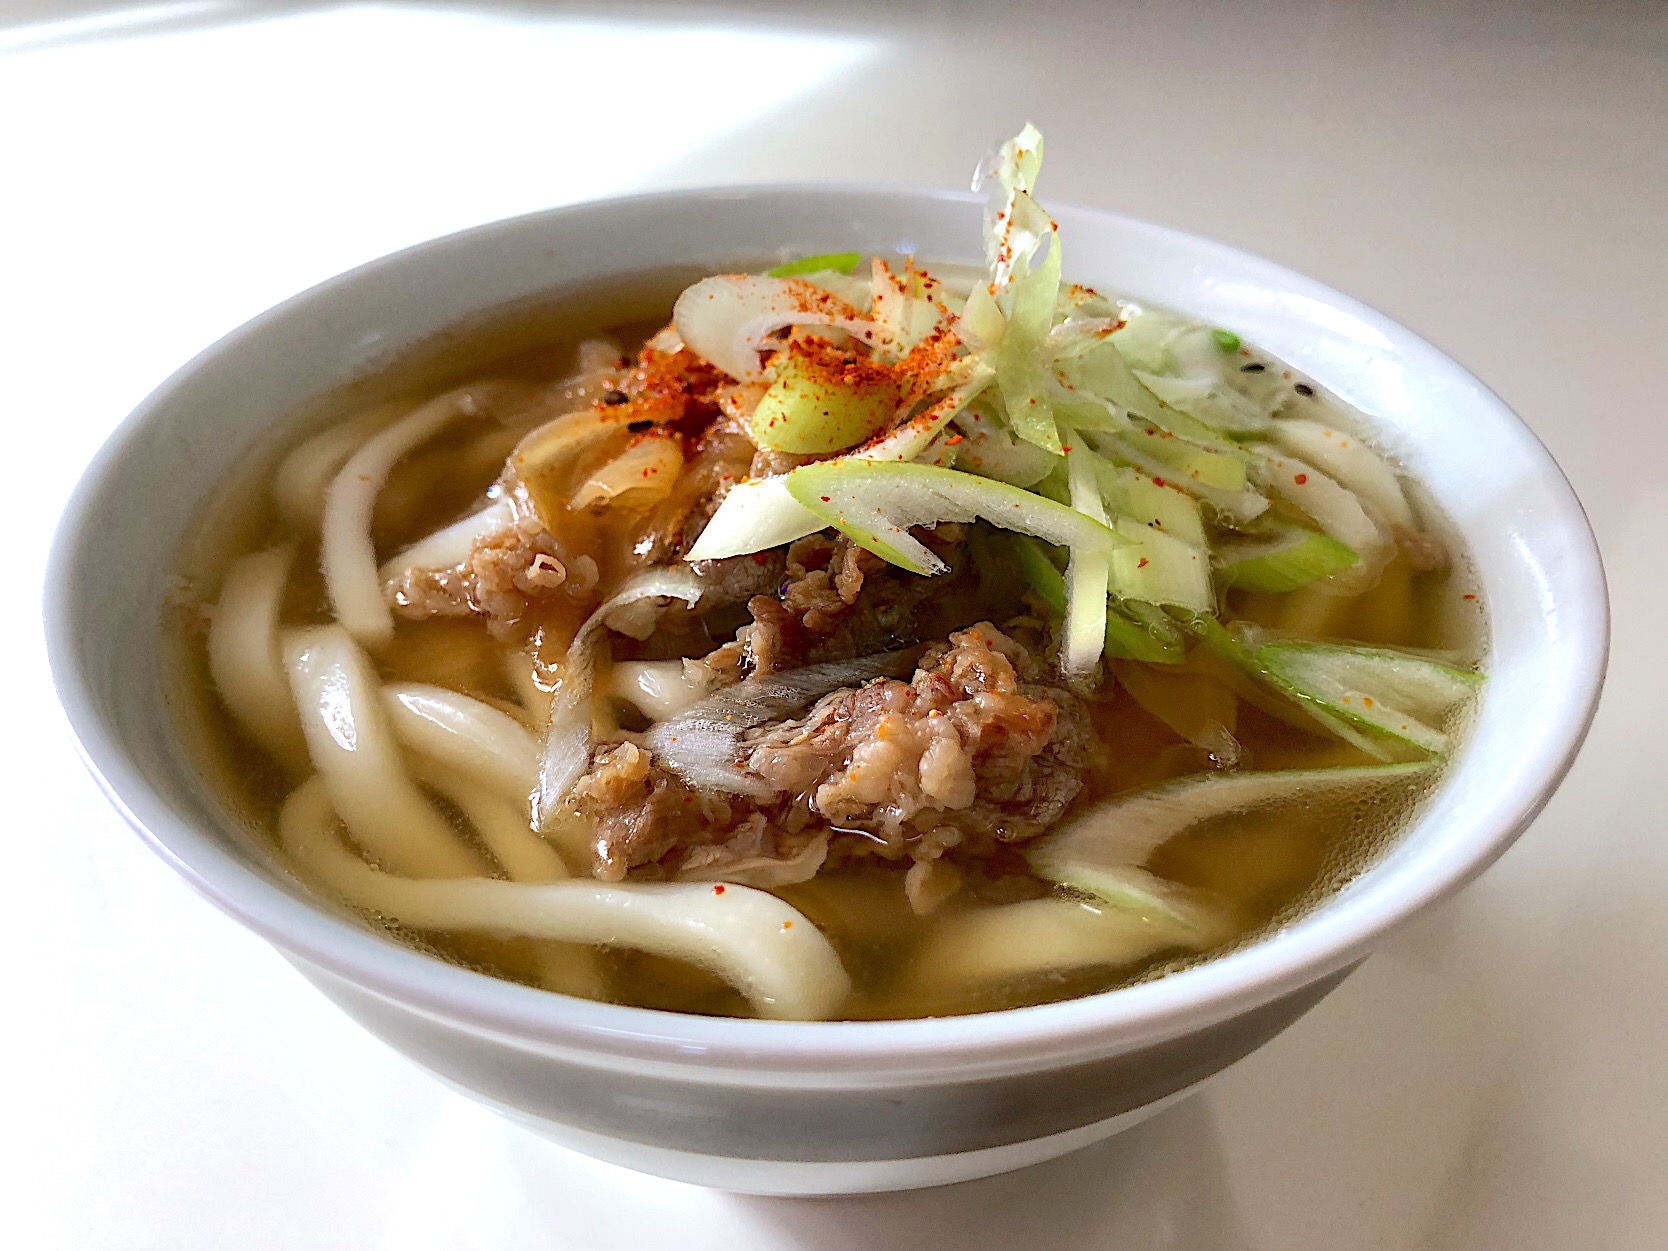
641,475
766,949
728,317
567,737
660,688
1194,705
765,872
543,460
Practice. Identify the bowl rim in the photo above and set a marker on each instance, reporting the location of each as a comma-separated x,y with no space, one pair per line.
1315,945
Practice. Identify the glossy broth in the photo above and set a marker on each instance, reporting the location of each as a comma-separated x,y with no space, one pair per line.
1265,870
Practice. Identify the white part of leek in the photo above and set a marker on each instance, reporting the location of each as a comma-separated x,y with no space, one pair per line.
1135,890
1157,568
466,733
753,517
981,322
875,503
451,545
1352,463
1237,507
1332,507
1040,936
1088,574
352,745
345,549
1170,508
902,318
244,657
1398,693
758,515
1125,831
766,949
910,439
639,476
989,449
1208,399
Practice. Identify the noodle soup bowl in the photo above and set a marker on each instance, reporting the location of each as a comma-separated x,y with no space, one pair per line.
825,1107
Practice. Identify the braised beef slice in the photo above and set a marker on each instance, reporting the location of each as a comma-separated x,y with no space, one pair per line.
503,575
837,602
974,752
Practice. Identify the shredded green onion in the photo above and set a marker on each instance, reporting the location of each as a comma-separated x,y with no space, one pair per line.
1147,477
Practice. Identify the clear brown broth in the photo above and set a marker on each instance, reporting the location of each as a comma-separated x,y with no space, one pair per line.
1263,870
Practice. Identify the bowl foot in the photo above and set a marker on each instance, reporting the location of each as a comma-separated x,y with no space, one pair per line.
834,1177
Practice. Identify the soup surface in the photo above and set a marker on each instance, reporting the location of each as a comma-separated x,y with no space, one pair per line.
452,646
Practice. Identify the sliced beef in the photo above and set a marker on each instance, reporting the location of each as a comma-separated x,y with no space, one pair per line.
974,752
738,579
837,602
504,574
647,818
968,744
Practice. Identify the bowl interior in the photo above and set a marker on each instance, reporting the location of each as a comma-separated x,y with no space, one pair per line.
1533,554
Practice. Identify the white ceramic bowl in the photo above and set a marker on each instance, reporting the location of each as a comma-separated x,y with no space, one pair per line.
780,1107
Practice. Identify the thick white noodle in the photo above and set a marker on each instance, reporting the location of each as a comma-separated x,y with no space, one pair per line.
299,483
243,654
500,821
466,733
502,825
352,745
763,947
451,545
345,549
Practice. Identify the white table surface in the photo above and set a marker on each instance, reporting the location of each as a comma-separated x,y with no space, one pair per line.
1497,179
